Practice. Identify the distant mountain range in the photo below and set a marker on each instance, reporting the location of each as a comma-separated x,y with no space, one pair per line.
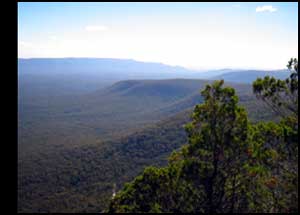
248,76
63,76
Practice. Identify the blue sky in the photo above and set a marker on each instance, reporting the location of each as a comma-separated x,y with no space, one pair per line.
194,35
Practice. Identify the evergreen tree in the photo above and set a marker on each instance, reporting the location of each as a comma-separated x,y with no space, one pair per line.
275,146
228,164
207,174
217,149
280,95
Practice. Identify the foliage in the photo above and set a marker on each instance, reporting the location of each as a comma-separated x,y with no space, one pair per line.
275,145
207,173
229,164
280,95
273,167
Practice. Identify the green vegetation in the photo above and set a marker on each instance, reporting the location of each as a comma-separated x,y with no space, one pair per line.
81,178
70,156
229,164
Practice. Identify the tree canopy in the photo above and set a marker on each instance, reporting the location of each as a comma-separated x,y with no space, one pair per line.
228,164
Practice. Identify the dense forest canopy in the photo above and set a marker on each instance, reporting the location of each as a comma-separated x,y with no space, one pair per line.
70,157
229,164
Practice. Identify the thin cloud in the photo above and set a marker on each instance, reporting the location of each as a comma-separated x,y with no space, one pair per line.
93,28
266,8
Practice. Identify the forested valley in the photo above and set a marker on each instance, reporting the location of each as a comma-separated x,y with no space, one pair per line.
76,149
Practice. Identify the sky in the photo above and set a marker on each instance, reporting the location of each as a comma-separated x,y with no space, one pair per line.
194,35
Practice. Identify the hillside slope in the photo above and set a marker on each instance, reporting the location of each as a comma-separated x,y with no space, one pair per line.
73,148
39,77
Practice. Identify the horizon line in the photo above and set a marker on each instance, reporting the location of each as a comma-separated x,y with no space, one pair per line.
185,67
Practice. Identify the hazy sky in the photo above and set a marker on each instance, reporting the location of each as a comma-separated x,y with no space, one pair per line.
193,35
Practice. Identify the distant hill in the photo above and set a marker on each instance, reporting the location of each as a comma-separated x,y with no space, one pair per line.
116,109
64,76
109,112
248,76
47,77
216,72
127,68
157,88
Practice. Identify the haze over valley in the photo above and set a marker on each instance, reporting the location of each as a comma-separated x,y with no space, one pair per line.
68,106
102,98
